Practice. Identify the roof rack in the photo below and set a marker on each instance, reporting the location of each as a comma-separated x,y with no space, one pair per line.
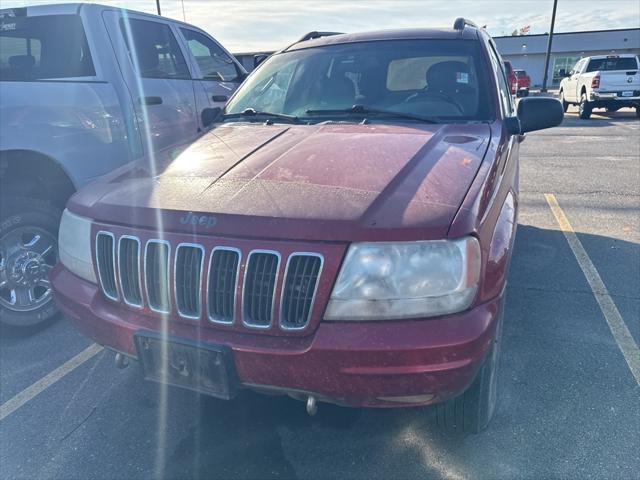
462,22
315,34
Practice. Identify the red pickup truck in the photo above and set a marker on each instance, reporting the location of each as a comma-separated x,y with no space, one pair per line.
342,233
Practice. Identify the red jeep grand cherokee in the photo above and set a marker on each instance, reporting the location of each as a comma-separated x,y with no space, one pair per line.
342,232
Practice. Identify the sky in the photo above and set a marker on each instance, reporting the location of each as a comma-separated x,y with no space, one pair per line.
255,25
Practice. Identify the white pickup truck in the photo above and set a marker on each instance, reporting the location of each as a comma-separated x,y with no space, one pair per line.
602,81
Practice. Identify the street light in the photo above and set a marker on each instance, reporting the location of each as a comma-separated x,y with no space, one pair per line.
158,7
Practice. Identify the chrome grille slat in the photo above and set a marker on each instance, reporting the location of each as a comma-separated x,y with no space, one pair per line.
222,284
129,270
106,262
302,275
187,277
156,266
260,280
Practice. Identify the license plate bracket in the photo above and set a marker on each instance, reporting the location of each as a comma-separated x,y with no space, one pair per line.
203,368
627,93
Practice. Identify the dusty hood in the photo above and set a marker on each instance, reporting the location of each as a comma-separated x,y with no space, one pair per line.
320,182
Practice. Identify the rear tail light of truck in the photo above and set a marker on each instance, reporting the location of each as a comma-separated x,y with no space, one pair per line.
595,82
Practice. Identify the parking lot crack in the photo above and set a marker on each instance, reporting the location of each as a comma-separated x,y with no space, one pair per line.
79,424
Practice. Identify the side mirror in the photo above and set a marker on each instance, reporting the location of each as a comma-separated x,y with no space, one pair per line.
210,115
258,59
535,114
562,73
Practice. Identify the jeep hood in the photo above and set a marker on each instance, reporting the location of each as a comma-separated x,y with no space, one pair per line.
331,182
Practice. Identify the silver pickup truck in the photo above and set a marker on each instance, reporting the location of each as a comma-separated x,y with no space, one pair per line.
604,81
85,89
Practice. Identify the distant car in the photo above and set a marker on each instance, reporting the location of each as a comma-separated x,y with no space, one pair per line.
514,81
603,81
84,89
524,80
342,234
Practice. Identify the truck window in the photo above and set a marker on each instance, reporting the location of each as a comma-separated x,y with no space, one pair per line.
214,63
614,63
153,49
46,47
411,73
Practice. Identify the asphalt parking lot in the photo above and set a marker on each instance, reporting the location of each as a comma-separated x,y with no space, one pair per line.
569,404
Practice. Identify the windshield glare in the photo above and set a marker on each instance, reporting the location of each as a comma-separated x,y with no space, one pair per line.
427,78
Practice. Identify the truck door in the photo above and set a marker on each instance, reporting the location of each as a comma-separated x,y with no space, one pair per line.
219,74
572,82
158,77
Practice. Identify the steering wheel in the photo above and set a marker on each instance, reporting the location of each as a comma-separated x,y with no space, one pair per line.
423,96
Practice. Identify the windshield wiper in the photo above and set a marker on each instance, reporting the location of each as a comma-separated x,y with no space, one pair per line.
363,109
252,112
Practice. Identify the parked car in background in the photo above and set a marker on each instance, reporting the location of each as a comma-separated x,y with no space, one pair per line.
85,89
342,234
524,81
603,81
515,86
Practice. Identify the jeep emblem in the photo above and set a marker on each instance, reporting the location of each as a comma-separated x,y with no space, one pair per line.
207,221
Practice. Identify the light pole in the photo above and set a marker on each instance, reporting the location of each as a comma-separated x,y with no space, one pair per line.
158,7
546,60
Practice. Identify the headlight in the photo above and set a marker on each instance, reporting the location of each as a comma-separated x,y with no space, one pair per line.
380,281
74,245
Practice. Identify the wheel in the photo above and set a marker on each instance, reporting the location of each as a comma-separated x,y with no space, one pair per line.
28,251
472,411
565,105
638,112
584,107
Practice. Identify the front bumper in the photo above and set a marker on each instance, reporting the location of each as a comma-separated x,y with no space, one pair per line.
377,364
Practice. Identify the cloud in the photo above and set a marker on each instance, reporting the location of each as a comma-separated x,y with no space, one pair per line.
251,25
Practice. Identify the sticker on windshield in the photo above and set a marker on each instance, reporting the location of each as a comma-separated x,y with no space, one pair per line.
462,77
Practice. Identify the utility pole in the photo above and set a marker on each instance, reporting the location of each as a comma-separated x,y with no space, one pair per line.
158,7
546,60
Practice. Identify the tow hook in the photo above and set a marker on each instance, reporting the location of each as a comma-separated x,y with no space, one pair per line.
121,361
312,406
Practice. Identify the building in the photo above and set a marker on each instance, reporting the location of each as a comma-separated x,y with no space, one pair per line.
528,52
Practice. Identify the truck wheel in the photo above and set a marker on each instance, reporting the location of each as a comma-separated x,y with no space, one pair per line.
28,251
472,411
584,107
638,112
565,105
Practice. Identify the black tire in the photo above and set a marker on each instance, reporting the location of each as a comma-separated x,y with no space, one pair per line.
565,104
585,107
22,261
638,112
472,411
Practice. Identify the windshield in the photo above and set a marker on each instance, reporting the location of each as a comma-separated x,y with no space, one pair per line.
424,78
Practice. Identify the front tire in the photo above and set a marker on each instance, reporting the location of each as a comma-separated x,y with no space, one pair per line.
28,252
638,112
585,107
472,411
565,104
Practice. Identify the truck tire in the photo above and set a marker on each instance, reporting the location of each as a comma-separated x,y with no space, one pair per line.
28,251
638,112
585,107
472,411
565,104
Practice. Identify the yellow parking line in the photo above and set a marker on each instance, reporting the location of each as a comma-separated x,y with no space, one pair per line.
30,392
618,328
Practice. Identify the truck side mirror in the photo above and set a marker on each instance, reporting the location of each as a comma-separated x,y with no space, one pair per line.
210,115
562,73
258,59
535,114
